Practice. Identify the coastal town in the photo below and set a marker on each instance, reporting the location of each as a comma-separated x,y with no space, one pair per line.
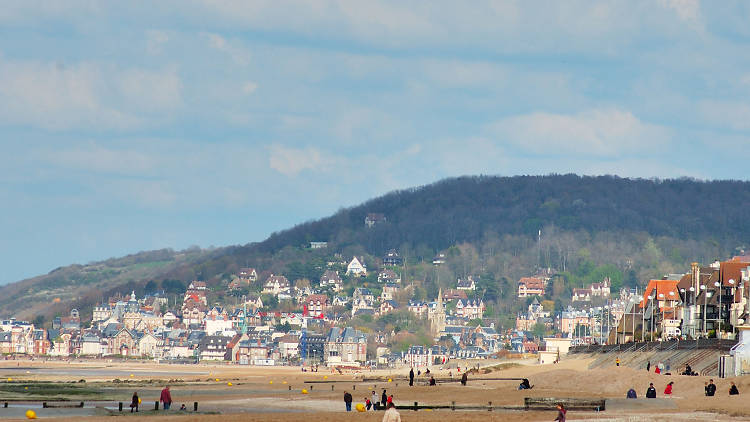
295,322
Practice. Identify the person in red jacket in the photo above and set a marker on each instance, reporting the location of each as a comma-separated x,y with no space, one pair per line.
668,389
166,398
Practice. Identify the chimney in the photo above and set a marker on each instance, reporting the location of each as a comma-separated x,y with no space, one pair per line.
695,269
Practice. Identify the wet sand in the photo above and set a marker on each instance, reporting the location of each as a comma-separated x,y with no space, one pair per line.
263,393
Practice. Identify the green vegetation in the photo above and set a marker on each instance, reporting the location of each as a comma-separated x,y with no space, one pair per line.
592,227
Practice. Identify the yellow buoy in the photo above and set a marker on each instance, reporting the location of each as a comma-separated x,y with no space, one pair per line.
25,388
360,407
283,382
325,377
270,382
31,414
217,380
229,384
390,380
10,379
131,375
139,400
304,391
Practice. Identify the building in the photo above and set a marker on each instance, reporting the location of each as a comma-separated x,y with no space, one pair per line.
421,356
277,284
470,309
317,304
467,284
388,276
356,267
439,259
531,286
345,346
392,258
373,219
581,295
331,279
318,245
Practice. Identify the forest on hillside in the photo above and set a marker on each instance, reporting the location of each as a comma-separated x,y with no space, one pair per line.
627,229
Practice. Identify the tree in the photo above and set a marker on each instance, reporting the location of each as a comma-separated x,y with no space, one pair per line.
539,330
150,287
173,286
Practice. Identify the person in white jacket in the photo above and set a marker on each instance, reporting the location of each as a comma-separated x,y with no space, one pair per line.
391,415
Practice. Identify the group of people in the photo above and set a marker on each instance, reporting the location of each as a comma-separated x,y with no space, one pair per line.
385,402
710,390
660,368
165,398
419,372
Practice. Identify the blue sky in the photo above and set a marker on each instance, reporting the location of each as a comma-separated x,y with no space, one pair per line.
128,126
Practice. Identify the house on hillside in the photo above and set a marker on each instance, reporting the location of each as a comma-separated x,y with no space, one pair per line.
601,289
392,258
331,279
277,285
466,284
531,286
389,291
387,306
356,267
581,295
450,295
439,259
372,219
470,309
317,304
418,308
388,276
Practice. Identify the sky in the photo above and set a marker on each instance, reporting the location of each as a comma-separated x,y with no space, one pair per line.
130,126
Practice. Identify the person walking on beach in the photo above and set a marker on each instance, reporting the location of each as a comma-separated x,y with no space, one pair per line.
733,391
648,366
464,378
411,377
368,404
617,361
391,414
561,412
651,392
348,401
384,399
432,381
374,400
710,388
166,397
134,402
668,389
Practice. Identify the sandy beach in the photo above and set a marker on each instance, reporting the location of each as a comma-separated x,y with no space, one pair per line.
275,393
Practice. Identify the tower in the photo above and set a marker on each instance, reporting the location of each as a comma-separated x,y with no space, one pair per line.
437,318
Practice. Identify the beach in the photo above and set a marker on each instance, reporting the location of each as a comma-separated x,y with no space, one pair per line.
275,393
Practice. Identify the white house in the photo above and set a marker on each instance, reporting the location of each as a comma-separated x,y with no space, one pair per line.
356,267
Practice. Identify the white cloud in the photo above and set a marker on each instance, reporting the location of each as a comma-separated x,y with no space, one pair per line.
292,161
238,54
97,158
160,90
686,10
155,40
87,95
726,114
594,132
249,87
